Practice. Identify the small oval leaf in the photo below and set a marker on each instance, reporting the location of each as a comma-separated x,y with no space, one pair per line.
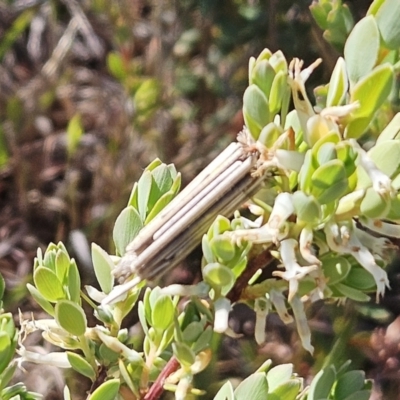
48,285
361,48
126,228
106,391
80,365
103,266
71,317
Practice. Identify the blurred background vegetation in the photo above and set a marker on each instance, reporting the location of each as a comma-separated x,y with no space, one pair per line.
91,91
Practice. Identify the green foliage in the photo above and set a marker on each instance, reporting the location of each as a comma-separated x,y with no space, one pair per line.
335,19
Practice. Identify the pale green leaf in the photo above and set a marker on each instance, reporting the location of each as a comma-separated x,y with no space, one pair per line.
106,391
225,393
387,18
46,305
71,317
370,92
103,266
223,248
62,265
254,387
183,353
80,365
361,48
278,92
348,383
74,282
163,312
262,76
279,375
48,285
255,110
218,275
126,228
322,384
338,85
144,189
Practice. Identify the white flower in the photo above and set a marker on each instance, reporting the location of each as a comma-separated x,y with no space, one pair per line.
301,322
261,307
56,359
347,242
381,183
293,270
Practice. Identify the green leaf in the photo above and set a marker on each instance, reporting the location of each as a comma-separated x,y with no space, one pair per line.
107,355
359,278
71,317
106,391
328,174
350,292
74,133
386,156
74,282
262,75
335,269
80,365
391,131
49,260
217,274
144,189
163,312
373,205
133,198
183,353
307,208
279,375
255,110
126,228
286,391
46,305
223,248
387,18
362,48
6,351
370,92
192,331
7,374
322,384
164,200
338,85
360,395
348,383
204,340
103,266
161,184
269,134
320,11
278,92
225,393
254,387
48,285
62,265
